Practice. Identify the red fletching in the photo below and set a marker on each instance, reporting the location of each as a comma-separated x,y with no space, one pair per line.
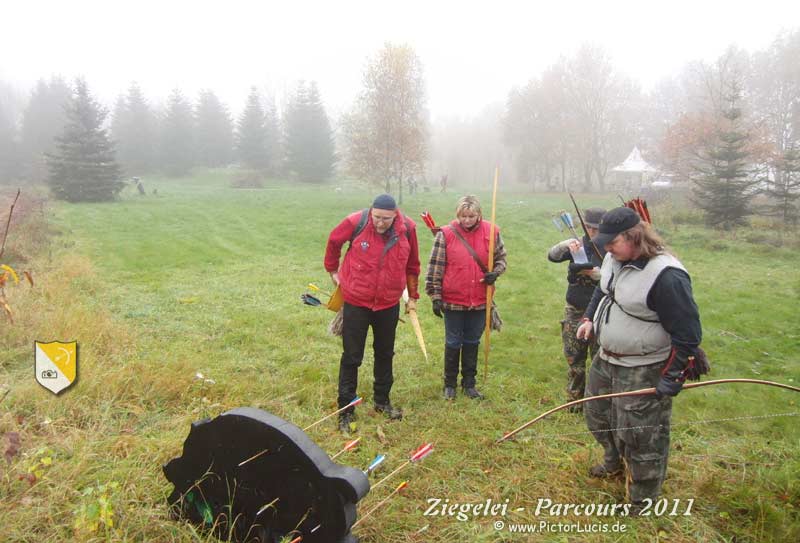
422,452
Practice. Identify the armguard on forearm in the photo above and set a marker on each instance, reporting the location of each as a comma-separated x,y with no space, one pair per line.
412,284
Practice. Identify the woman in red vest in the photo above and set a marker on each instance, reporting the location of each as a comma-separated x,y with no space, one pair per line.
457,281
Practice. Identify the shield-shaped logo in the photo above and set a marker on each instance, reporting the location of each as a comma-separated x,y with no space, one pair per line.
56,364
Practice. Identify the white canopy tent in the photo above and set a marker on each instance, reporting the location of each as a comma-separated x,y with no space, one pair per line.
635,164
633,172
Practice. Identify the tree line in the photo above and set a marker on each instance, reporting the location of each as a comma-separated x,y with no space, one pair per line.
729,129
170,139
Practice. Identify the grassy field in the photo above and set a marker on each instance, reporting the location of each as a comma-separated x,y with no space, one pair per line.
206,278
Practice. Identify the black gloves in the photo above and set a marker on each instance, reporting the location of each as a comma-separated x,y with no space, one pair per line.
437,308
668,387
681,366
672,376
574,267
490,277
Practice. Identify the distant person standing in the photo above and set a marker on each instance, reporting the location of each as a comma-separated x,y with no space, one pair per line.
381,261
443,183
583,274
457,281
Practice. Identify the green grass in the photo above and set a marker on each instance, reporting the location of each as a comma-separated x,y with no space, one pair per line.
205,278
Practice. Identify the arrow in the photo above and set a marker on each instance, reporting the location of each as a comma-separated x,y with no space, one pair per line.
348,447
354,403
308,299
419,454
374,464
314,287
400,487
243,462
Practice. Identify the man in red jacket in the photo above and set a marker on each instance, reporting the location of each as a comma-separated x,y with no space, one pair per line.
381,261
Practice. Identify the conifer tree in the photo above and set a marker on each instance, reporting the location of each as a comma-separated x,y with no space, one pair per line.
785,190
133,128
82,166
42,121
726,185
8,143
177,136
310,154
214,131
252,134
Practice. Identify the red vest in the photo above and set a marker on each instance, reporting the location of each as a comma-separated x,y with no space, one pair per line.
372,276
461,283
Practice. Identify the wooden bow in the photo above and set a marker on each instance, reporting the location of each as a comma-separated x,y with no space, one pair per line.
641,392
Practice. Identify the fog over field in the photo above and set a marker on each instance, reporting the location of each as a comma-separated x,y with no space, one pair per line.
472,52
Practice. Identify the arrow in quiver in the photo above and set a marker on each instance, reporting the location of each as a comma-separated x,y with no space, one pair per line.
252,477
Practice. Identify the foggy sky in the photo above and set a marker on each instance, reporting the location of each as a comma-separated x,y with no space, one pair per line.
472,53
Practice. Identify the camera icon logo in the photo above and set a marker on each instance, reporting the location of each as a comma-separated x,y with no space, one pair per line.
56,364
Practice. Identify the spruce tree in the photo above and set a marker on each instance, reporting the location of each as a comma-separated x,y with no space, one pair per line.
42,121
785,190
726,185
310,154
252,134
8,143
82,166
214,131
177,136
133,128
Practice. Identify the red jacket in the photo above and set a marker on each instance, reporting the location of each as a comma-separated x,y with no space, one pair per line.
370,275
461,283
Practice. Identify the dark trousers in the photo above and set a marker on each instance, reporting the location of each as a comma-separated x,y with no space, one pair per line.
356,322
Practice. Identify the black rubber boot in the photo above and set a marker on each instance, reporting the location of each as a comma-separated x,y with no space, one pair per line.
389,411
451,356
469,369
345,422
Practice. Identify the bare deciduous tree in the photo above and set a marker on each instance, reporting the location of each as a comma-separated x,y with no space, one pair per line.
386,133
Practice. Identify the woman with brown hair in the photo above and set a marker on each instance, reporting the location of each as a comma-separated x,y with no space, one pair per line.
648,327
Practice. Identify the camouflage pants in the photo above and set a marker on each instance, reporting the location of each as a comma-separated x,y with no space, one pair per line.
576,351
641,424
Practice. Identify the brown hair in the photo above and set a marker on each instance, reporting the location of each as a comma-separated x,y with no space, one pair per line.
646,239
469,203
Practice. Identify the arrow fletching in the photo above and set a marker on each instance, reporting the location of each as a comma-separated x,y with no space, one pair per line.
375,463
308,299
422,452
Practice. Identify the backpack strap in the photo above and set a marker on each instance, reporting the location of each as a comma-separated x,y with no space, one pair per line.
362,222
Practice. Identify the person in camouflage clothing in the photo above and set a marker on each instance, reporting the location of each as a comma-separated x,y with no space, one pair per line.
648,328
582,280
